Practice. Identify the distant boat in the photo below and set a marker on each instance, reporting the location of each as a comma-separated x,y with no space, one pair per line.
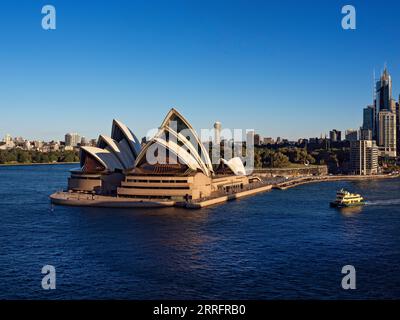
347,199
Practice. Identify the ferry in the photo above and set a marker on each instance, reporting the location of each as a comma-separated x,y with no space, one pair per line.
347,199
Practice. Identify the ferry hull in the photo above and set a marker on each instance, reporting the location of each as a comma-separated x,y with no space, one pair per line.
344,205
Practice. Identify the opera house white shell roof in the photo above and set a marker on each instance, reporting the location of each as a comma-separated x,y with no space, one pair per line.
117,152
178,137
236,166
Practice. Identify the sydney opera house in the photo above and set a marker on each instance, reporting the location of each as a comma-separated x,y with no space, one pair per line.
172,166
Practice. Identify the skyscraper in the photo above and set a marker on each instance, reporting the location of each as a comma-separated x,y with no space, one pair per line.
364,157
369,121
387,133
351,135
385,116
384,92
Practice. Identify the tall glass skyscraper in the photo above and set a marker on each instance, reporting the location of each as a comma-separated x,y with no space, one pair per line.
369,119
385,116
384,92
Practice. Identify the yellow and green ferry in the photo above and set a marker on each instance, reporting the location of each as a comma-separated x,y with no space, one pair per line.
347,199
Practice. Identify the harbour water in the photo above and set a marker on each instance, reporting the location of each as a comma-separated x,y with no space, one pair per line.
277,245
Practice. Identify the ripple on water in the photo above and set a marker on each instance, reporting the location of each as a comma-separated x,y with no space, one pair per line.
277,245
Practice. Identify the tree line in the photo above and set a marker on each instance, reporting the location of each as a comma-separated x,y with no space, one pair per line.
25,156
286,156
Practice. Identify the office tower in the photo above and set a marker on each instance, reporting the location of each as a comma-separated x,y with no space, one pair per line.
335,135
387,133
369,121
384,92
363,157
351,135
217,132
366,134
72,139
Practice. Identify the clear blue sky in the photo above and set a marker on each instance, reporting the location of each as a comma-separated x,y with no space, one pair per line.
284,68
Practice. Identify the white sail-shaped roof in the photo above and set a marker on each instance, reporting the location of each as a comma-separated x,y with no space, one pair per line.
236,165
182,124
121,132
181,153
182,156
120,149
116,152
184,144
169,136
106,158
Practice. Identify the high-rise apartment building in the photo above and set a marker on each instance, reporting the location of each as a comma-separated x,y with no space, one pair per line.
366,134
363,157
335,135
351,135
72,139
387,141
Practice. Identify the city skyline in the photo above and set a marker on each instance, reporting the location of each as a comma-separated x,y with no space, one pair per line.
239,67
380,123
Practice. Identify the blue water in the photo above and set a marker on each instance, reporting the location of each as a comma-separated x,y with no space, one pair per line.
277,245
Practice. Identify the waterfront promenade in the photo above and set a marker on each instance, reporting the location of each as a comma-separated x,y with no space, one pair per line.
313,179
92,200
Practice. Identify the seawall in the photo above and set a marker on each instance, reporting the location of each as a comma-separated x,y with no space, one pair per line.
304,180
